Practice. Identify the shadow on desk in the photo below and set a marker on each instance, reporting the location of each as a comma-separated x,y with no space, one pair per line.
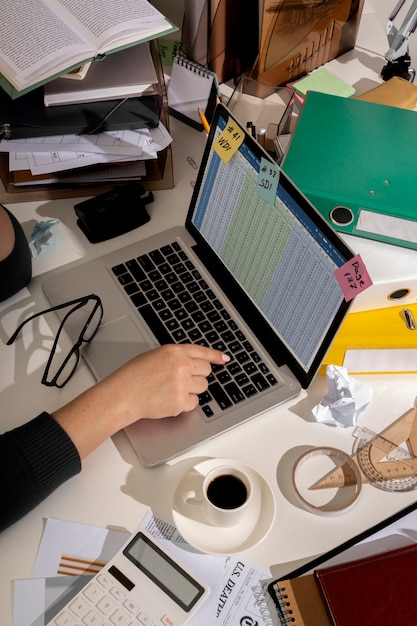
314,395
144,484
366,59
28,355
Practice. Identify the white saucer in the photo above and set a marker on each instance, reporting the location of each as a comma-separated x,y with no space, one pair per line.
198,531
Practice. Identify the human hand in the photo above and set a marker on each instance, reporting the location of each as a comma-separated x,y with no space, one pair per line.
160,383
163,382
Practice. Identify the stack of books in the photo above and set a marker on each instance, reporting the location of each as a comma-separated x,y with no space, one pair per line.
82,97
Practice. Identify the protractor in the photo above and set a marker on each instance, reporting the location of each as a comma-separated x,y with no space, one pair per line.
385,464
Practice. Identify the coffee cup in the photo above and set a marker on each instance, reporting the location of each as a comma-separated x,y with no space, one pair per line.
227,495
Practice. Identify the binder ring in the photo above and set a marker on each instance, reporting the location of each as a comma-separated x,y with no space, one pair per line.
345,467
341,215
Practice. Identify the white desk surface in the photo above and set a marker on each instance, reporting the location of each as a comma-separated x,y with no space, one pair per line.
113,489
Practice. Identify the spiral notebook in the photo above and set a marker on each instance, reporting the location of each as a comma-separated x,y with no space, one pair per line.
376,589
191,87
368,579
299,602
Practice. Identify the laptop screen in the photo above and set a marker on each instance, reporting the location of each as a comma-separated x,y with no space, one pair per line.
276,259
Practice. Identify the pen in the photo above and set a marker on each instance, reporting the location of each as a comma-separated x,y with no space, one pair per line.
204,121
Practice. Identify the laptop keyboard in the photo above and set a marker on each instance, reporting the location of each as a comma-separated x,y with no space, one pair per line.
179,307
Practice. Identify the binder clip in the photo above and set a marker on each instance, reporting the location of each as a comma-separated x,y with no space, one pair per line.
113,213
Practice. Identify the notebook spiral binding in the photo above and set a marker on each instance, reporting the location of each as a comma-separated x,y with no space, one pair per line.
283,605
191,87
197,68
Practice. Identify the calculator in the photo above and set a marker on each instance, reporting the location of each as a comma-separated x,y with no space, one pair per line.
142,585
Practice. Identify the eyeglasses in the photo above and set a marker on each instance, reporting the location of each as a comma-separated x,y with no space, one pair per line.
85,314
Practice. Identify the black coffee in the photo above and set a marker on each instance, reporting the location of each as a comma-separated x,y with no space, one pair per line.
227,492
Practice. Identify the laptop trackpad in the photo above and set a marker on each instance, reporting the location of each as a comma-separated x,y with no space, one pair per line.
115,343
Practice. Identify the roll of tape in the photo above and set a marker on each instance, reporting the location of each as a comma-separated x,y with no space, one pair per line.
345,478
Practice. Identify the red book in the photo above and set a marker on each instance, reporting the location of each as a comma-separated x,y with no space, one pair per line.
379,590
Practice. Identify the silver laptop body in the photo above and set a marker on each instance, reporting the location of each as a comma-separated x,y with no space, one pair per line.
265,273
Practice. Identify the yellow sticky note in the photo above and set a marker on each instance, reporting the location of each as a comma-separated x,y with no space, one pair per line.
228,141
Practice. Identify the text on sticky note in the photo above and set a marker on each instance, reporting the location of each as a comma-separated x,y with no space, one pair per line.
228,141
353,277
268,179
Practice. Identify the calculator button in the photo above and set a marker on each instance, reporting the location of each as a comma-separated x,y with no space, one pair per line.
93,593
118,594
79,607
167,621
104,580
131,606
145,619
93,618
65,619
120,618
107,605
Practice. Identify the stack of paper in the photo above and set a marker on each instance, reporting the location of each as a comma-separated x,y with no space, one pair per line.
118,144
107,119
46,160
124,74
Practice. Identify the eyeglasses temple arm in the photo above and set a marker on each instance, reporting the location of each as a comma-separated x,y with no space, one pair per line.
78,303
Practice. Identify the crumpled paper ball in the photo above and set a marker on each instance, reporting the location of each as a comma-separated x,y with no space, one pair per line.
347,398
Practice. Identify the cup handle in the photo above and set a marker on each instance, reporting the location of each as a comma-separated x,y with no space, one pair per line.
193,498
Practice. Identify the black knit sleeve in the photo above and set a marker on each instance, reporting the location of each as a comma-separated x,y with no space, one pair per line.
16,269
35,459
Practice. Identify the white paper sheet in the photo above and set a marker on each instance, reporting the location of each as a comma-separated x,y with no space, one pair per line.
236,594
124,142
236,586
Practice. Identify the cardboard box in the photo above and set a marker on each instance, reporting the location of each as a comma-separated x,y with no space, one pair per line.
298,36
221,35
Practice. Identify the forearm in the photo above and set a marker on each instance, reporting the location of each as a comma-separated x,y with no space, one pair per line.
38,457
157,384
35,459
91,418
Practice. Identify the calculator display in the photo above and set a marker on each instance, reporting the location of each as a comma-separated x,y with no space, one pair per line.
164,572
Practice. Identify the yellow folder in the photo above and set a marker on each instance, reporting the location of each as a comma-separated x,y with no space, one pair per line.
376,341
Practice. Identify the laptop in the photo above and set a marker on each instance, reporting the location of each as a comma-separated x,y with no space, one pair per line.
251,276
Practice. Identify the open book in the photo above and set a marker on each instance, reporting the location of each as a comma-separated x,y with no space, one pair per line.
43,39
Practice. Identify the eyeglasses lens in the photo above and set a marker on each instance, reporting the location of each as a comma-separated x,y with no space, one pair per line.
81,323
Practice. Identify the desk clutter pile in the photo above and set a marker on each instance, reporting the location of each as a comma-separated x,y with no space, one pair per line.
102,122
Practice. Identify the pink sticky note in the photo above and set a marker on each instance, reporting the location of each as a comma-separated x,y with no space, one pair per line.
353,277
